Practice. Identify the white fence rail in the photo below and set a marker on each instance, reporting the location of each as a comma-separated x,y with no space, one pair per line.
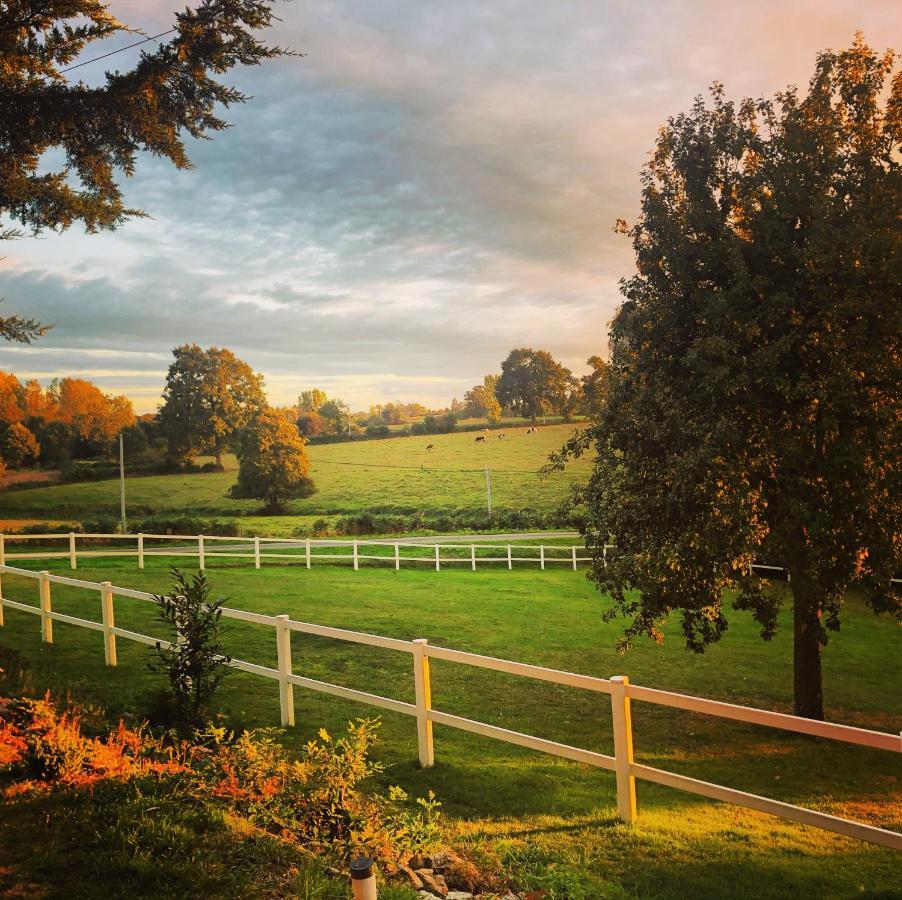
621,692
198,546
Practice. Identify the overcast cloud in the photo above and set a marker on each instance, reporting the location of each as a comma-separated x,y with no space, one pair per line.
431,185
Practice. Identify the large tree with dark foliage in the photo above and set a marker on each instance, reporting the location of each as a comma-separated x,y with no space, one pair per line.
753,408
533,383
98,131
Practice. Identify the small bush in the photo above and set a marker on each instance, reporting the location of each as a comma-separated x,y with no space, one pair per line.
194,662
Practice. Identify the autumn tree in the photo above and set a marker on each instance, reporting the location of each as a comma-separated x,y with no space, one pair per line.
96,417
273,464
753,409
63,143
38,403
309,424
533,383
480,401
210,395
19,447
312,400
12,398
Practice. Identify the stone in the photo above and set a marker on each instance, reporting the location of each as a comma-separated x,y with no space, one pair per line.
433,882
425,895
459,895
415,881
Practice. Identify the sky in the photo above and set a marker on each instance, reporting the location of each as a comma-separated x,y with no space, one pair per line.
429,186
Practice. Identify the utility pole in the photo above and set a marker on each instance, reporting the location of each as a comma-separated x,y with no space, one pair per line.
488,489
122,485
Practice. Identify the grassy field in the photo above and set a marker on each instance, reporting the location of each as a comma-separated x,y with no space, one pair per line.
550,820
396,474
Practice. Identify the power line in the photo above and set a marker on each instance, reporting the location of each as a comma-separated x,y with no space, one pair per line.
114,52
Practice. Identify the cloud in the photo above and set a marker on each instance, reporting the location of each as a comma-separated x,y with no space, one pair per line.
431,185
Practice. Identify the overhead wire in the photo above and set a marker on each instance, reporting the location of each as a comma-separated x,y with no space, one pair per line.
87,62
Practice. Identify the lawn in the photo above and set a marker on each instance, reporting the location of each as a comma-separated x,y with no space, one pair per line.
394,475
550,820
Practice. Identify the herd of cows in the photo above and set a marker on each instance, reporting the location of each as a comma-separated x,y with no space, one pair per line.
482,437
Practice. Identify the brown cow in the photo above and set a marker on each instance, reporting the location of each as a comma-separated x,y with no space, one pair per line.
430,447
480,439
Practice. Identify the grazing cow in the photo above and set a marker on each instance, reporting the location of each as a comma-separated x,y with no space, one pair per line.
480,439
501,436
430,447
532,429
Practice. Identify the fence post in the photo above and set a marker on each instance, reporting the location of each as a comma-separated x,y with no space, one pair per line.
574,558
473,557
46,621
283,652
542,557
256,552
73,558
623,748
109,622
308,552
200,552
438,561
423,686
510,562
1,599
2,550
604,555
356,561
397,557
140,550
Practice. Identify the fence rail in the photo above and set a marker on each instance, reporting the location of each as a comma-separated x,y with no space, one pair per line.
622,693
253,548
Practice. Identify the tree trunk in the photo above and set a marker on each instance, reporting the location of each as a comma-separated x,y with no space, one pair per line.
219,456
807,631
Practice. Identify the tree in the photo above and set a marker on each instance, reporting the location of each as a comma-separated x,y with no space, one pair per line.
594,386
480,401
309,424
336,416
210,395
99,130
273,462
533,383
12,398
754,409
312,400
20,448
96,417
38,403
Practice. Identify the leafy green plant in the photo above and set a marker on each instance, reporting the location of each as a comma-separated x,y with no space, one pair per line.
193,661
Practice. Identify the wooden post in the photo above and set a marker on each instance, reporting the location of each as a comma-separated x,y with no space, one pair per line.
73,558
356,560
604,555
473,557
200,552
574,558
46,621
423,688
256,552
397,557
286,689
140,550
109,623
308,552
510,562
2,550
438,561
1,599
542,557
623,748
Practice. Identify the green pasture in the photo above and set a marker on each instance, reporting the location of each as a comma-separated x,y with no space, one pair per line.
551,821
392,475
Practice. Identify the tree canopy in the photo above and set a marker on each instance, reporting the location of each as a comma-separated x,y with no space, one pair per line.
753,409
273,464
210,395
98,131
533,383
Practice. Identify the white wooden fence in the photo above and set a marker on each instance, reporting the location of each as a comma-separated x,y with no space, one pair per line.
621,692
204,546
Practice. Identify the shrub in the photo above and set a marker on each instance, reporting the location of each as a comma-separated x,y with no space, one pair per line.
20,448
194,661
